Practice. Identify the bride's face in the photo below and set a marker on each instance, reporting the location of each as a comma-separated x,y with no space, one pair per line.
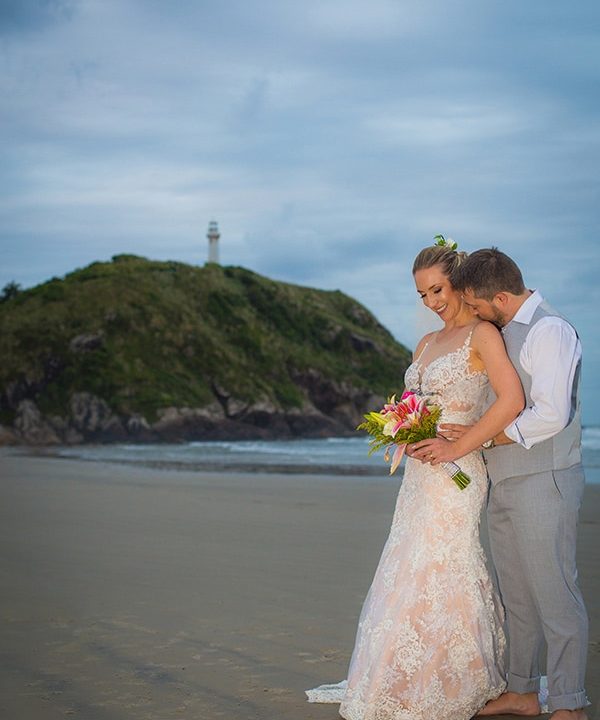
437,293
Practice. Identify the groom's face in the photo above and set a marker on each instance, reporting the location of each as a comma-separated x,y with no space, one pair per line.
485,309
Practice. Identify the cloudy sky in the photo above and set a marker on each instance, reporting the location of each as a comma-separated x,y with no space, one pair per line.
331,139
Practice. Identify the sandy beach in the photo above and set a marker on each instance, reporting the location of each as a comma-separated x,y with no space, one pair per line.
129,593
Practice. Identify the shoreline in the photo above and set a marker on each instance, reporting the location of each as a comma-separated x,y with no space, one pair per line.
136,594
240,468
380,470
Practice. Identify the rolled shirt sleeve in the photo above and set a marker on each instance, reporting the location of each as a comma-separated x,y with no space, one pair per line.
550,355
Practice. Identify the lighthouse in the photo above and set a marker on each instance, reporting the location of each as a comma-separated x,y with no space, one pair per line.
213,236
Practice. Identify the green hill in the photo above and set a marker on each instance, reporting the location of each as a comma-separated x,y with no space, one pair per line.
144,350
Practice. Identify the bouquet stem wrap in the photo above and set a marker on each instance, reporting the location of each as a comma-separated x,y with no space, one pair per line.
459,477
405,421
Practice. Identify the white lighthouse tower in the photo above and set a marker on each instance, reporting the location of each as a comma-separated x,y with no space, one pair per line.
213,236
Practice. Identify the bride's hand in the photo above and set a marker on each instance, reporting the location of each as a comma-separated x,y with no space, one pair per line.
434,451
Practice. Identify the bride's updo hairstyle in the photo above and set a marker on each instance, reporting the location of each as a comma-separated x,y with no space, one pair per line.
446,256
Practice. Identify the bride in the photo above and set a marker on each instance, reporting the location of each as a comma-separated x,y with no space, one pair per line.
430,643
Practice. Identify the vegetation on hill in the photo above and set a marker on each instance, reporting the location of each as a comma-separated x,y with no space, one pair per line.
144,336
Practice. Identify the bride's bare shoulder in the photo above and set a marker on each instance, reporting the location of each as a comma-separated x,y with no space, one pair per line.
484,328
485,333
422,343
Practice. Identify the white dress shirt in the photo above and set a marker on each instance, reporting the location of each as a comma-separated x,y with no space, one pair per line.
550,355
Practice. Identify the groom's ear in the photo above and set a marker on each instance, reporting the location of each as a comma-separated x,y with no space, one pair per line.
501,299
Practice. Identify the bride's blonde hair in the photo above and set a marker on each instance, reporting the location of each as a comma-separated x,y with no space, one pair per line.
443,255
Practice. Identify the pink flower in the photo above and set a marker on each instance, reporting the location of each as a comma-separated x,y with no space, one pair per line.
394,424
412,403
412,419
397,457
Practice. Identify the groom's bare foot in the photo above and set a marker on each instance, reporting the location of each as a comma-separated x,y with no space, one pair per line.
569,715
510,703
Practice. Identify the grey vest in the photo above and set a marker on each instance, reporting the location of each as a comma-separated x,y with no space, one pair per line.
556,453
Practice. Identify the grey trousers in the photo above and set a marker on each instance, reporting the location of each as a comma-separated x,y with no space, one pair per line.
532,521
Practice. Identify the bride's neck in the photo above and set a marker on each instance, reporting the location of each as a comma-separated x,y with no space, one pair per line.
463,319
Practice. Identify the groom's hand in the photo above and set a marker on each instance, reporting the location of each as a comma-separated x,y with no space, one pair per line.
453,431
434,450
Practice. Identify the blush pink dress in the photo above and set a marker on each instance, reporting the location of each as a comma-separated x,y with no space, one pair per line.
430,643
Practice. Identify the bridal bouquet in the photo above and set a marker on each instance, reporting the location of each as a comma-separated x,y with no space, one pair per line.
405,421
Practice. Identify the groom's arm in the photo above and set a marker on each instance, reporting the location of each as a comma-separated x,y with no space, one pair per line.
454,431
502,439
550,355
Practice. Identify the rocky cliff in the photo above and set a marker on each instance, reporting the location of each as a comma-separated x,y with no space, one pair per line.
136,350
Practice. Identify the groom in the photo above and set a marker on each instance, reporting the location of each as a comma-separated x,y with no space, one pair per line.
536,488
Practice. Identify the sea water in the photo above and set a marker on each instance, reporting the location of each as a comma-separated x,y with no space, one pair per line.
323,456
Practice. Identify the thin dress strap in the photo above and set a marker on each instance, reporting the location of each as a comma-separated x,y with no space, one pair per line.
416,360
468,338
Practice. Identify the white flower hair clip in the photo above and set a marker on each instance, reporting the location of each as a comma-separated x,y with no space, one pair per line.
441,241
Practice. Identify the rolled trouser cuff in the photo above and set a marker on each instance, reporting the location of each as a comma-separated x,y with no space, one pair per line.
572,701
523,685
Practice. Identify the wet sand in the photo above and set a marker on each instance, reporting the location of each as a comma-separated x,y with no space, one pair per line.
128,593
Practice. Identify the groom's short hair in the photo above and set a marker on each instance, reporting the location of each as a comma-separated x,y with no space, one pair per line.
488,272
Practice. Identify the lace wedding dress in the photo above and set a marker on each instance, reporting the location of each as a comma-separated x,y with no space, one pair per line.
430,643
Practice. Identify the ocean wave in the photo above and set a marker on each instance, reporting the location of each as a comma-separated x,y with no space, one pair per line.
590,438
334,455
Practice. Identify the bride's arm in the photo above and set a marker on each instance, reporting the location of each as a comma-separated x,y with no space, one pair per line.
488,347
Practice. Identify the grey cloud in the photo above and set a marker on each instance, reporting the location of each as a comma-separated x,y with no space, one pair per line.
331,140
31,15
